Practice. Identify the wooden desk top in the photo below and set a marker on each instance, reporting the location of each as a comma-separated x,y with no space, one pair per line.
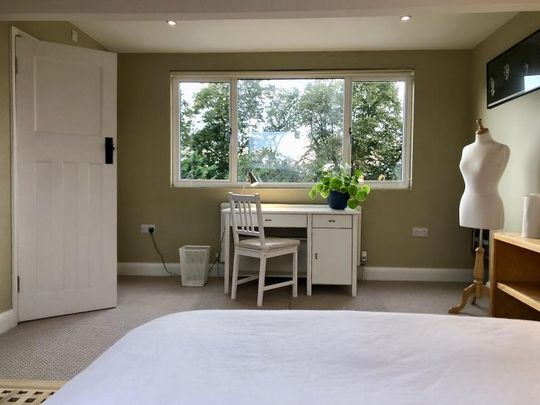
516,239
302,209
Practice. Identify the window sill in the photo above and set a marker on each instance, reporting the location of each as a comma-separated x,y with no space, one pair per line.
375,185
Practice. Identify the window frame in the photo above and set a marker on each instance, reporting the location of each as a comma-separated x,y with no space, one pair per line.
349,76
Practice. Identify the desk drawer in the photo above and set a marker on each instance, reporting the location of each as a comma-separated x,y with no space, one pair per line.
332,221
285,220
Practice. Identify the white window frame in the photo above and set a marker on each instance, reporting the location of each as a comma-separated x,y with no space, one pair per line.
349,76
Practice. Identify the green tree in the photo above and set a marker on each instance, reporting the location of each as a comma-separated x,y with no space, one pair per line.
377,129
278,115
321,111
204,134
267,113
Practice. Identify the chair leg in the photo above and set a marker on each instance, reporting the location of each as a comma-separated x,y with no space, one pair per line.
295,274
235,275
262,273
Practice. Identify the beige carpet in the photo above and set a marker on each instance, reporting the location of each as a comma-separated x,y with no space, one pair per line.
59,348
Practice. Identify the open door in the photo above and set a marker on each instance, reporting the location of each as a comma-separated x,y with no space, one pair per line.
64,187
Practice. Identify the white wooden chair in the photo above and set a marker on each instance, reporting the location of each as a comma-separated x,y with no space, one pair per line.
247,220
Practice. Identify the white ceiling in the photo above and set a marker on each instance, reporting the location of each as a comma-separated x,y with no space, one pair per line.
440,31
153,10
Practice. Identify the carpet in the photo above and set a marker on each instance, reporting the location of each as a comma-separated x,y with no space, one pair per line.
59,348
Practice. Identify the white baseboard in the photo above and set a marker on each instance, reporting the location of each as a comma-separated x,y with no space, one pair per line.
153,269
365,273
8,320
146,269
416,274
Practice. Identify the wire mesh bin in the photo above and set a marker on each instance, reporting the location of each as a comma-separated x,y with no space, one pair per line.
194,262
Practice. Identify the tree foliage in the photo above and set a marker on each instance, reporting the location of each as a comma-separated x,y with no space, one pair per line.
267,113
204,134
377,130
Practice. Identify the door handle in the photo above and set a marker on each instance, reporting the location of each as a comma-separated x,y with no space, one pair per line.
316,256
109,149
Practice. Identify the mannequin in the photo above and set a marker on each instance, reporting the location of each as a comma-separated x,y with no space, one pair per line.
482,165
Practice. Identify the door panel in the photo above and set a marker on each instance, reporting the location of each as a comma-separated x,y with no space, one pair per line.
332,257
60,109
65,194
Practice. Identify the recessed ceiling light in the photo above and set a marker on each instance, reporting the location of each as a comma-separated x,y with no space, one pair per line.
405,17
172,23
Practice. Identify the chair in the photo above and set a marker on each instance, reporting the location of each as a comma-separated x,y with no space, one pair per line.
247,220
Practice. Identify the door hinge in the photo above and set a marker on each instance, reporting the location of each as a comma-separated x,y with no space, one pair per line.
18,284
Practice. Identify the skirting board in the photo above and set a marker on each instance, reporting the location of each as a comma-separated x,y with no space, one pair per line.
8,320
364,273
415,274
153,269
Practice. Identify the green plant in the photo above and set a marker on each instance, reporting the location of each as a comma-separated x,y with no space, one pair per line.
344,181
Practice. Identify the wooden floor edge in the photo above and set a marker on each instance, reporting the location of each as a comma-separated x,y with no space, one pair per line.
37,384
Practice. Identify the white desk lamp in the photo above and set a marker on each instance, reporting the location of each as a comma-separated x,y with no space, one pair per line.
251,179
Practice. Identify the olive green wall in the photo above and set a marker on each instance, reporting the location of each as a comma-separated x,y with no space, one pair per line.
191,215
49,31
515,123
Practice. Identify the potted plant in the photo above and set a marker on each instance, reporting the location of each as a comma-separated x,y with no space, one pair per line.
343,188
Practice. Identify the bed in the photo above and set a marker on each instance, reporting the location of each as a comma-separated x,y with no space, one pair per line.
315,357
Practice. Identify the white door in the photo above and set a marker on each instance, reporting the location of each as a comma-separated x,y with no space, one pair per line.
64,192
332,256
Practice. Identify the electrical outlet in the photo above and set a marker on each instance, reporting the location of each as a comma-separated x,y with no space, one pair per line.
146,227
420,232
363,256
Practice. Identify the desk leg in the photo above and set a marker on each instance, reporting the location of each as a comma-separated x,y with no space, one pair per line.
226,254
309,255
354,256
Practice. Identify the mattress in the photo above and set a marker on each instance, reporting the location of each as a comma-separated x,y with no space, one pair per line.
315,357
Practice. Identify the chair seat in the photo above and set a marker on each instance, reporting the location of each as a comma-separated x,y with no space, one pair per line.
270,243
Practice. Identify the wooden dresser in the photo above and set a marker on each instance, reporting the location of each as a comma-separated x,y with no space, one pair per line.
515,277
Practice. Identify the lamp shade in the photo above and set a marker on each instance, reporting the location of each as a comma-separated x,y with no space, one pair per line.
253,180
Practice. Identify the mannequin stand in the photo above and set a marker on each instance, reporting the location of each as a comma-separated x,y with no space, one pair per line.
477,289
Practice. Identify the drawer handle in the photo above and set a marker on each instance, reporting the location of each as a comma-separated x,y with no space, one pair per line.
331,220
267,220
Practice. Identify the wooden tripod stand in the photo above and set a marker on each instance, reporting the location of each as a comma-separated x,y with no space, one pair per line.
477,289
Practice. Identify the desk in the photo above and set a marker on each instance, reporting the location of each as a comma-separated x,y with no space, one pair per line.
332,240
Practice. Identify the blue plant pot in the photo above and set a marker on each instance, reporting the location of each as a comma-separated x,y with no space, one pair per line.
338,200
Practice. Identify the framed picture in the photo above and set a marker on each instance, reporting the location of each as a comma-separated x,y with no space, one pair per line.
515,72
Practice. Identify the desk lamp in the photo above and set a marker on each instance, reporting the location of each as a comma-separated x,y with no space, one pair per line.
252,179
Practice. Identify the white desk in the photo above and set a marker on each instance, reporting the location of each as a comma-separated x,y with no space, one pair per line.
332,241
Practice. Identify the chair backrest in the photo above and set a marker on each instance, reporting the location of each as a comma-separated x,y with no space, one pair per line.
246,216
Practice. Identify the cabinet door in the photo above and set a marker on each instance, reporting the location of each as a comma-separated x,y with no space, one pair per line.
331,256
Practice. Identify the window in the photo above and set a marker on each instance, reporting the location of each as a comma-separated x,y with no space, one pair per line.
203,130
377,126
287,127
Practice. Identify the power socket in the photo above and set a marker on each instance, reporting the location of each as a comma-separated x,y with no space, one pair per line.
145,228
420,232
363,256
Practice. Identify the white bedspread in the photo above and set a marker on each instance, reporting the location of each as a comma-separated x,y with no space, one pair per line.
315,357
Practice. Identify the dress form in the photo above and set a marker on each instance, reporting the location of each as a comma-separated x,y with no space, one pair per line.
482,165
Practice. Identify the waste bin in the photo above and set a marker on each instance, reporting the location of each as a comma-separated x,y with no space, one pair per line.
194,261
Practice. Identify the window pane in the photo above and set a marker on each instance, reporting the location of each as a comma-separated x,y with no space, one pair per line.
377,129
204,130
289,129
